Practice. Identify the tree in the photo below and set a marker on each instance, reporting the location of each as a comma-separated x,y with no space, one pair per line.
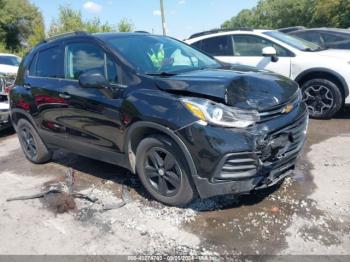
125,26
70,20
21,24
285,13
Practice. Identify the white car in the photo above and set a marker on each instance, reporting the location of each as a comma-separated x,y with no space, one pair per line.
323,75
5,121
8,69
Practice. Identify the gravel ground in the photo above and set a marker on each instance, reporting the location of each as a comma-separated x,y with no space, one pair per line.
308,214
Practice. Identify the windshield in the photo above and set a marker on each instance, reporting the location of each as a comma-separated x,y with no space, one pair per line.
10,60
293,41
150,54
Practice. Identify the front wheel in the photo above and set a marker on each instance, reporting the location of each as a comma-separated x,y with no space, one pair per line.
322,97
163,171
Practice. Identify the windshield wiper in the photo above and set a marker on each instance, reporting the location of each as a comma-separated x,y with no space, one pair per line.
160,74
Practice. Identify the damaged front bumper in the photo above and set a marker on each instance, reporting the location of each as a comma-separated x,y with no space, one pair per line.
238,162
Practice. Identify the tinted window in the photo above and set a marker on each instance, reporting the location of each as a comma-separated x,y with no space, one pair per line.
47,63
197,44
313,37
330,38
249,45
218,46
84,57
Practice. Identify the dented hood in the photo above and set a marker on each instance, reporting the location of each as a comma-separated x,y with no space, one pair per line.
246,88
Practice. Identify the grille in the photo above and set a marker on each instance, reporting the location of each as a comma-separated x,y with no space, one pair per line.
6,81
278,110
239,165
297,134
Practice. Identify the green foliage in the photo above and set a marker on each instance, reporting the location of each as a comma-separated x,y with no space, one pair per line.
71,20
285,13
125,26
21,25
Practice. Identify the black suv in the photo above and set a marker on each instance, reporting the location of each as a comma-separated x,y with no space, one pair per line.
187,124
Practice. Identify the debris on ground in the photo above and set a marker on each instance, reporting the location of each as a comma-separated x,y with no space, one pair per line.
58,195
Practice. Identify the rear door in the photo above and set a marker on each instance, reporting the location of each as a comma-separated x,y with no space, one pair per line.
43,79
92,119
247,50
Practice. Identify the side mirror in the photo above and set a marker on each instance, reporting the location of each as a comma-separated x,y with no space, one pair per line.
92,80
270,51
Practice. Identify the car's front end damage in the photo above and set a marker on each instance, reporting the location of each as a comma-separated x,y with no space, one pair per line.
231,161
237,160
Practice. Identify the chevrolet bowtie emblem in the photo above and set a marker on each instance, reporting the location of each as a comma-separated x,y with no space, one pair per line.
288,108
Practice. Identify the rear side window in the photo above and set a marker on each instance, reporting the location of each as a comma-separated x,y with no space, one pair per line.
218,46
84,57
46,63
197,45
311,36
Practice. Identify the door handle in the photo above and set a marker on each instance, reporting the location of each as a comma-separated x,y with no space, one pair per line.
64,95
27,86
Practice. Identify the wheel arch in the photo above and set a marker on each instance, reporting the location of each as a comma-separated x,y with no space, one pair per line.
141,130
17,114
325,74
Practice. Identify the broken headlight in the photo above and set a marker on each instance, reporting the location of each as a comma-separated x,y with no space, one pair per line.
220,114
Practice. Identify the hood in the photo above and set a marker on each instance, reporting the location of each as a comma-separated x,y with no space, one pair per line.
245,89
8,69
336,53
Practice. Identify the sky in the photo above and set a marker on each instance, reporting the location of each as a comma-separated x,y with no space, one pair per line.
183,17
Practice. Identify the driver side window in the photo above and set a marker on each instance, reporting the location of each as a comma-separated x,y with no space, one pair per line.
250,45
81,58
84,57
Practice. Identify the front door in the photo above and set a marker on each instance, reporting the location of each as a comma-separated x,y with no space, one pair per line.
247,50
92,119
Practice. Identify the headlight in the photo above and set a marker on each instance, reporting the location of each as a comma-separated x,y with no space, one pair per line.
219,114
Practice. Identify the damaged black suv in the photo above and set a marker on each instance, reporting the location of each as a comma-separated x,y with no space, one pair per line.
187,124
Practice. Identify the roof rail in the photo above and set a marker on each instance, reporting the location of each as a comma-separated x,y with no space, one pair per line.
141,32
64,35
218,30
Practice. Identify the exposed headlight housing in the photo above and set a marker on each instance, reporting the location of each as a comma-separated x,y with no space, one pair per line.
220,114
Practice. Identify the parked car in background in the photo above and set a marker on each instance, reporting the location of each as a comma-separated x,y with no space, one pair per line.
8,69
187,124
323,75
5,121
291,29
325,37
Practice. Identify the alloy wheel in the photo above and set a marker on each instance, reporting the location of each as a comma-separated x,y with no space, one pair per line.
28,142
318,99
162,171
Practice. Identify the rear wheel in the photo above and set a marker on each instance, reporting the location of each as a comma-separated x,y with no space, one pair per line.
33,147
163,172
322,97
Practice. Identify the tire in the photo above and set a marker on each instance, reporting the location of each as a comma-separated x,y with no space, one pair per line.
154,171
322,97
33,147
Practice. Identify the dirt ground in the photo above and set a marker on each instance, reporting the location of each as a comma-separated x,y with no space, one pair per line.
308,214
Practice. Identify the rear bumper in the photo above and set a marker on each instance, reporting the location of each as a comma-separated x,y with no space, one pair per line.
240,161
